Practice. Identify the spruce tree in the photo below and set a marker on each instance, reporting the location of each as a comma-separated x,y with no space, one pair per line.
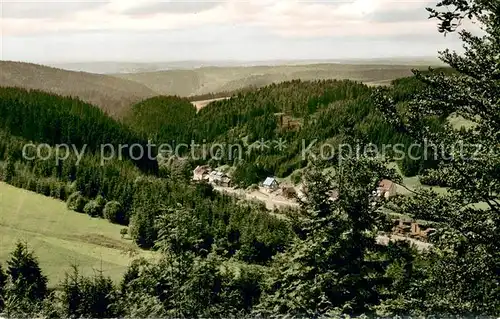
463,267
327,271
26,275
3,283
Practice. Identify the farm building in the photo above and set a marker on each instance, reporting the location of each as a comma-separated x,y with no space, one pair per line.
219,178
201,173
386,189
412,228
270,183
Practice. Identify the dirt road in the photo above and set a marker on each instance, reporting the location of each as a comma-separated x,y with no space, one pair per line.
273,202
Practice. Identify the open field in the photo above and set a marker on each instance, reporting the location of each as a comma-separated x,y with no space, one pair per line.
60,237
218,79
201,104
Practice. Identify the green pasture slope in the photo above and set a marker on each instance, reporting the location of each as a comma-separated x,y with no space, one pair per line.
60,237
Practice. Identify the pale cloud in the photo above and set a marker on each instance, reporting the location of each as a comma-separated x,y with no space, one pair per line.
154,8
282,17
230,29
42,10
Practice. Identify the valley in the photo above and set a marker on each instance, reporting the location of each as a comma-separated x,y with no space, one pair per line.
250,159
220,212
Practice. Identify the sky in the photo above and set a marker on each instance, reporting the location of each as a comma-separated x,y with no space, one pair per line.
254,30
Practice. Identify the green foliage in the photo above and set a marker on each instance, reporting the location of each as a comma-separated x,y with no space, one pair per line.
327,268
77,202
189,286
88,297
9,171
142,228
140,305
294,112
46,118
461,273
25,274
123,232
296,177
220,257
3,283
247,174
92,209
113,211
162,118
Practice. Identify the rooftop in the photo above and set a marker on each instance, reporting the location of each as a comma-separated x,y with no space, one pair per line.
269,181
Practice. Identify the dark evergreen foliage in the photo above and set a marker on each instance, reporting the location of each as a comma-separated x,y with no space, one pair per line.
25,274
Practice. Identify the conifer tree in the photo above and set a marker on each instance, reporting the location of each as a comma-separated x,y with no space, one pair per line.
26,275
3,283
463,268
326,270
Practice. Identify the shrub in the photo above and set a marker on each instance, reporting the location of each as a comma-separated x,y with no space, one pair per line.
433,177
296,177
9,171
72,187
100,202
76,202
31,184
113,212
253,187
124,232
57,190
43,187
91,209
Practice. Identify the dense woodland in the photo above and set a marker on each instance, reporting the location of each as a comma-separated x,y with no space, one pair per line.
111,94
298,113
222,257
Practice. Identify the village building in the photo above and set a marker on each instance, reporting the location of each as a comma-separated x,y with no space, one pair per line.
201,173
225,181
219,179
386,189
412,228
270,184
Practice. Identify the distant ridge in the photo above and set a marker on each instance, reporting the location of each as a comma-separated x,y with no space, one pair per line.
213,79
113,67
111,94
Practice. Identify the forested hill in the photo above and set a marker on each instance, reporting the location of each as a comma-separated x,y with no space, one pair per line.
295,112
162,117
112,94
42,117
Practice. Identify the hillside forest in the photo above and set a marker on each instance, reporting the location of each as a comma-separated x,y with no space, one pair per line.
217,255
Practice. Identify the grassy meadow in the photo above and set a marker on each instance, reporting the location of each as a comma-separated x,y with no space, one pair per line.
60,237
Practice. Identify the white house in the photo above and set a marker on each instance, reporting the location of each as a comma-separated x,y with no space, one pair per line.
271,183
